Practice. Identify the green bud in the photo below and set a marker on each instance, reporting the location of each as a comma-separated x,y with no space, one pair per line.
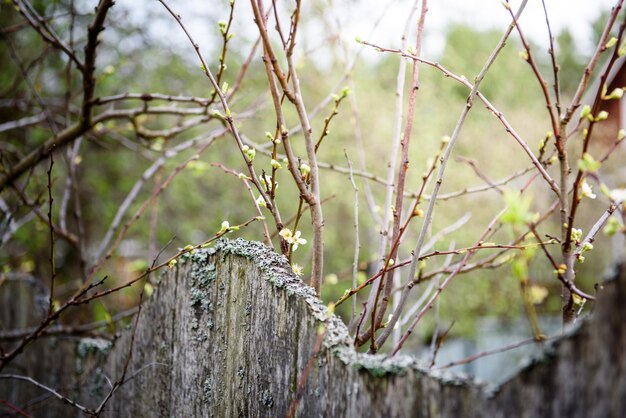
305,169
611,42
542,145
602,115
586,111
617,93
612,226
275,164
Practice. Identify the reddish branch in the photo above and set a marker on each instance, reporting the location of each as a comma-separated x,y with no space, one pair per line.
386,282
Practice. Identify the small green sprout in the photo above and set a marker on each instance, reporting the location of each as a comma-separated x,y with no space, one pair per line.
588,163
611,43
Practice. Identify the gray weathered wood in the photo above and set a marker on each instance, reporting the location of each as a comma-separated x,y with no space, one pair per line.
231,330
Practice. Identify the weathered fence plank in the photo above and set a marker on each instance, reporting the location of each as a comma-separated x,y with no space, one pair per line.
230,331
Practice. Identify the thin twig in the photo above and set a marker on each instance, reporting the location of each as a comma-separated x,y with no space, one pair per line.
266,232
486,353
56,394
67,330
52,259
357,244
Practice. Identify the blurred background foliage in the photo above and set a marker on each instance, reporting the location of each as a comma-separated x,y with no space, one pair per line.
112,157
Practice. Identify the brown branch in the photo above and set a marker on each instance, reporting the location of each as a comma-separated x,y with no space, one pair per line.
89,82
568,218
40,25
70,133
311,196
260,21
399,189
582,86
554,119
328,119
52,259
555,65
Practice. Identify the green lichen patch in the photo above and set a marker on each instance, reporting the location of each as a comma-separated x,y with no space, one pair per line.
207,389
202,274
90,346
380,365
266,399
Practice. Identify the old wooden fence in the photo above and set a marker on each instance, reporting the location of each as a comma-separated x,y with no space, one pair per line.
231,331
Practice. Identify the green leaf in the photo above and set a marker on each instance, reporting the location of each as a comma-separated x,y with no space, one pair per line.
611,228
588,163
518,208
520,269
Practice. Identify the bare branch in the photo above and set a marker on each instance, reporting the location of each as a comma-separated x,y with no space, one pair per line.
56,394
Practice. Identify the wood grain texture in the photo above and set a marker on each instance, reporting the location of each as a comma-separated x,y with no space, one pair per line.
229,332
